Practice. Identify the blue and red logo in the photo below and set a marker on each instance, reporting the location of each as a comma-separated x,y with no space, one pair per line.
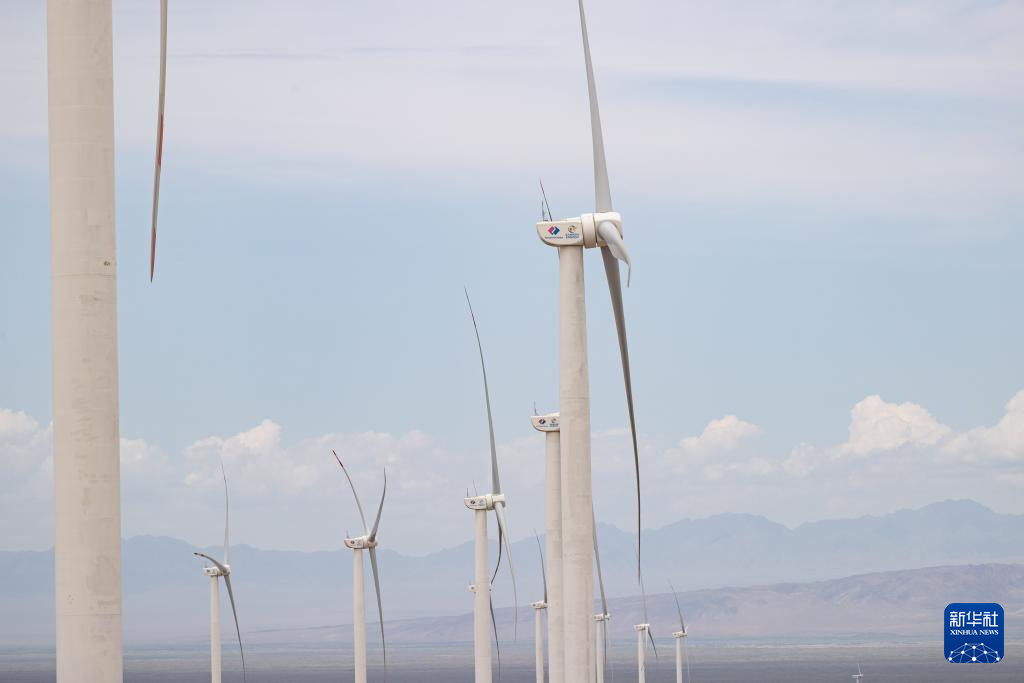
553,230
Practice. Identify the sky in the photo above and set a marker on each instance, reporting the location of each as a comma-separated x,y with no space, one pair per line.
822,201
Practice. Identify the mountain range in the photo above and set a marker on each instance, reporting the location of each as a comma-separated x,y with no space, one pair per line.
166,596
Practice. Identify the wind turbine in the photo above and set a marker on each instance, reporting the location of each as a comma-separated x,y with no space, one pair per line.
603,229
216,572
548,424
83,301
368,541
600,619
483,606
858,677
680,636
159,135
643,633
539,608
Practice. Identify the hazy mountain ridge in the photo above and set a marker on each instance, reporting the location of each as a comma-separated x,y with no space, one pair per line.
866,607
166,595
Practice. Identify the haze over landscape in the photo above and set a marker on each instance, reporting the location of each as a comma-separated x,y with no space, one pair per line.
822,202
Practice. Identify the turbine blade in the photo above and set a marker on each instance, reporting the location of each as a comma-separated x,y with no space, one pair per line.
643,592
686,654
234,613
543,571
611,269
227,507
359,505
682,626
597,558
613,239
503,533
544,198
215,563
380,508
159,135
601,187
495,481
651,636
380,608
497,643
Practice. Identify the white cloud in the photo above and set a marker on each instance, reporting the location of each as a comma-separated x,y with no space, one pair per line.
290,493
306,94
1003,441
719,436
876,425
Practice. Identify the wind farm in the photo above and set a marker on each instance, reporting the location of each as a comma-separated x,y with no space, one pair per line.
787,434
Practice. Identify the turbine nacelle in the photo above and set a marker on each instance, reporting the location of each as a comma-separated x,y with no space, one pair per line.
641,627
223,570
545,423
679,634
484,502
602,617
540,604
360,543
585,229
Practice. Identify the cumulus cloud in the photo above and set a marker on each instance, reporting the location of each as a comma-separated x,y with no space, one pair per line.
719,436
1003,440
288,492
876,425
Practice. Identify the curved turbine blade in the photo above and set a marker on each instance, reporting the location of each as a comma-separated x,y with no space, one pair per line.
543,571
504,538
159,135
597,559
495,481
686,655
651,637
544,199
607,231
682,626
380,608
380,508
601,187
227,506
359,505
215,563
497,643
611,269
234,613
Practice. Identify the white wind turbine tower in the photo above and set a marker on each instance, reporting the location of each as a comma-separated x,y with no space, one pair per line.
680,636
83,300
643,633
600,229
218,571
858,677
548,424
539,608
368,541
483,607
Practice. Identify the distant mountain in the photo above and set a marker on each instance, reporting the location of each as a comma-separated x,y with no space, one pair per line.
166,596
901,605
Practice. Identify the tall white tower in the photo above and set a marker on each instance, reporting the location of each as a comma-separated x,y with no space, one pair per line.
86,455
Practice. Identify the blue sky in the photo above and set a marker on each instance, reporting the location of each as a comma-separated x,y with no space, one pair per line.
822,201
